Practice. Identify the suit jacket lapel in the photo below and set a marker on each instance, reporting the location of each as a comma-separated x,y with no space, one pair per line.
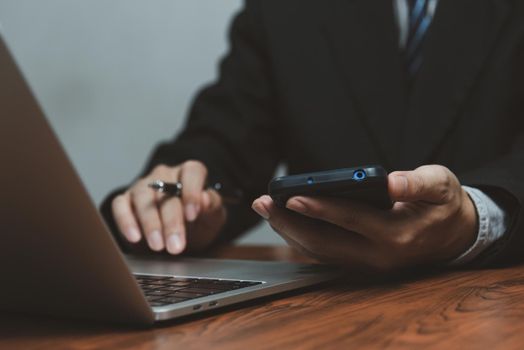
363,38
462,35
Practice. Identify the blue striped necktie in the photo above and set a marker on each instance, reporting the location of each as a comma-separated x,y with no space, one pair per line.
419,22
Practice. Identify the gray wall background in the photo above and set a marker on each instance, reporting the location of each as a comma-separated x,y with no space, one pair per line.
115,77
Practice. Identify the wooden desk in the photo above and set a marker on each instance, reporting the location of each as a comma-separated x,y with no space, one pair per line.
461,309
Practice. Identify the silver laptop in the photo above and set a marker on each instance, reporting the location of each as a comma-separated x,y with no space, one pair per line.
57,256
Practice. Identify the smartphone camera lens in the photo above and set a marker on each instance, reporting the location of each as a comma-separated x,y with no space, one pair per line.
359,175
309,181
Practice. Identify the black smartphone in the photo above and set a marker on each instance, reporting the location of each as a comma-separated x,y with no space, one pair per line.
368,184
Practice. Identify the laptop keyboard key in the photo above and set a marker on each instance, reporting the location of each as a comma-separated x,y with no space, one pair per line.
179,283
155,303
151,298
156,283
172,288
158,292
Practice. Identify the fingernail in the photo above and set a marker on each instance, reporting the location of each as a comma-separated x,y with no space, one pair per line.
174,244
261,210
133,235
296,205
191,212
155,241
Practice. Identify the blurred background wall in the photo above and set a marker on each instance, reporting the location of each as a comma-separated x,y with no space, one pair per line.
115,77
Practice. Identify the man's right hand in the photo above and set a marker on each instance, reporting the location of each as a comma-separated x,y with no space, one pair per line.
168,222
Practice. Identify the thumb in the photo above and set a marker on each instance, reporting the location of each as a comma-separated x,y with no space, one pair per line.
429,183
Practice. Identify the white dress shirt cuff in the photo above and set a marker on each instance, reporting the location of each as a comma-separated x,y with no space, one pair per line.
492,224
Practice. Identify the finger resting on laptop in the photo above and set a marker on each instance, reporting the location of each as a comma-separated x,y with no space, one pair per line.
125,218
145,206
174,230
193,175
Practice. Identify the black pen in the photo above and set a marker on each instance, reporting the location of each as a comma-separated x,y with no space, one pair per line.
175,189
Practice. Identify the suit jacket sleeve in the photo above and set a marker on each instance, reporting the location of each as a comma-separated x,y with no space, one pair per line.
232,125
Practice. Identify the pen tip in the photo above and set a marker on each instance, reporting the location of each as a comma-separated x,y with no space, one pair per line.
157,185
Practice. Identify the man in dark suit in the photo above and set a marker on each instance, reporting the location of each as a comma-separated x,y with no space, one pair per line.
432,88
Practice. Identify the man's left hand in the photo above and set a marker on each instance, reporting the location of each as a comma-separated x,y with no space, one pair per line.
433,220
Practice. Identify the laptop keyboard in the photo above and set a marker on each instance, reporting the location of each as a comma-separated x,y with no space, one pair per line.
165,290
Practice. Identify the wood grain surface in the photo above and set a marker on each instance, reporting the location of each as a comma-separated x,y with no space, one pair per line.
481,309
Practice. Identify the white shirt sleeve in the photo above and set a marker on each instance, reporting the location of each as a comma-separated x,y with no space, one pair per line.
492,224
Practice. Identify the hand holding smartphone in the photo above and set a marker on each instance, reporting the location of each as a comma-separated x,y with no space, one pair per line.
367,184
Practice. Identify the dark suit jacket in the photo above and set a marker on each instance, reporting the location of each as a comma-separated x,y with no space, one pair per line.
321,84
